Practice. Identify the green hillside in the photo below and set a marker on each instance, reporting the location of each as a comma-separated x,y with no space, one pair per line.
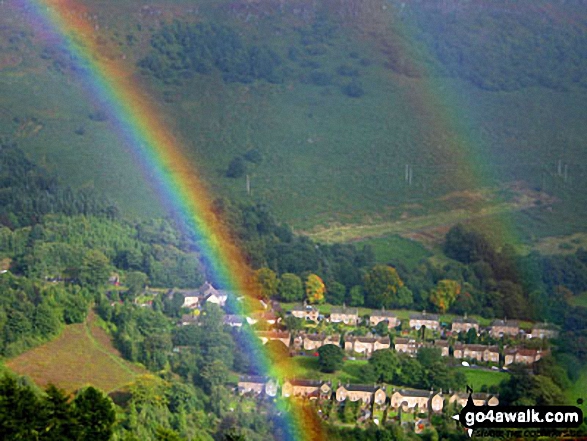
335,99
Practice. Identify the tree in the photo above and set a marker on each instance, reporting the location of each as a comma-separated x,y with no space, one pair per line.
95,269
291,288
356,296
354,89
237,168
19,411
330,358
135,283
267,282
315,289
384,363
59,419
336,293
95,414
381,286
444,294
278,352
46,321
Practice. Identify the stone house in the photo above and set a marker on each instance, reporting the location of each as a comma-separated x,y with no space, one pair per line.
366,393
191,297
348,316
543,330
306,312
406,345
479,399
266,336
365,345
500,328
257,385
315,341
463,324
210,294
423,400
377,317
522,356
477,352
312,389
491,354
268,317
430,321
443,346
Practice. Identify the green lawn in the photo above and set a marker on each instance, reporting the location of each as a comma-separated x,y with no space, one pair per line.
578,389
477,378
307,367
580,300
393,249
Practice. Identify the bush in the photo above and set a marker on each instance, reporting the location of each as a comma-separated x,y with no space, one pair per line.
347,71
253,156
353,89
319,78
237,168
330,358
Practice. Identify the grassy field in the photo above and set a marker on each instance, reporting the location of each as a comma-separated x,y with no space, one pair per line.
578,389
82,355
307,367
477,378
580,300
329,159
392,249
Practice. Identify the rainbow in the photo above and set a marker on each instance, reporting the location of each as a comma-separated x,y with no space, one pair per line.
112,84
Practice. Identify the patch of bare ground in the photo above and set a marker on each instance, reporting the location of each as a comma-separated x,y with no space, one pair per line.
81,355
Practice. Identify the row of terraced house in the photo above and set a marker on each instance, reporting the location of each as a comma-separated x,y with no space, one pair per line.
406,399
366,345
350,316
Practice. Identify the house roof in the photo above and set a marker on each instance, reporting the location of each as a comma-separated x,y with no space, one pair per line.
184,292
307,383
344,310
522,351
253,379
403,341
465,320
506,323
383,313
315,337
362,387
416,393
384,340
424,316
476,396
441,343
273,334
477,348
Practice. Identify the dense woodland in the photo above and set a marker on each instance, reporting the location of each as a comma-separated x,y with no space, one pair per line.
60,251
495,49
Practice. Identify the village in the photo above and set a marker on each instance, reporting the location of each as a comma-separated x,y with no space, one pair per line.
496,347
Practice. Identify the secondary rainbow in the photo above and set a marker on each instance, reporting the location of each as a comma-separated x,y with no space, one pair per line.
112,85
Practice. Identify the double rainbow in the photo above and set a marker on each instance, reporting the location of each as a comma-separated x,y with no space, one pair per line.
112,84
